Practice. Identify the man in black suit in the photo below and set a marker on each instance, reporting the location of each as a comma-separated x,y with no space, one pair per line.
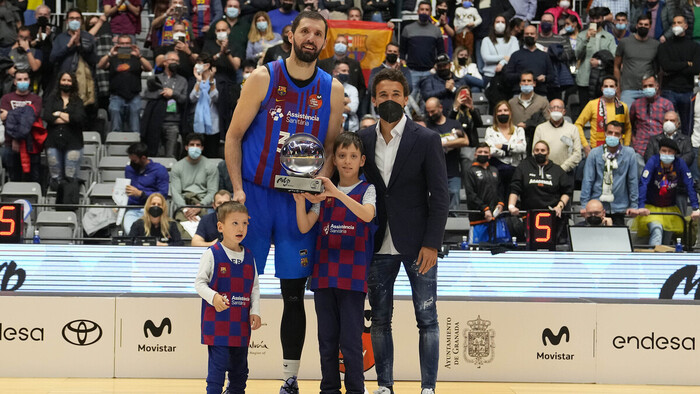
406,164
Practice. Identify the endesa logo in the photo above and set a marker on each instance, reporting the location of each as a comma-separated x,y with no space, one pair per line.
21,334
82,332
653,342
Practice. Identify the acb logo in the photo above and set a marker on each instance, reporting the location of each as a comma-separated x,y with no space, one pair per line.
367,351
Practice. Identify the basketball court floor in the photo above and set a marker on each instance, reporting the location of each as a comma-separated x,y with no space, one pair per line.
191,386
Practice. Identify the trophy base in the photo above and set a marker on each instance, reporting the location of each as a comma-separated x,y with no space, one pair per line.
295,184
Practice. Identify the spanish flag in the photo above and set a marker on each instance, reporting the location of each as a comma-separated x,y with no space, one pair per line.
367,42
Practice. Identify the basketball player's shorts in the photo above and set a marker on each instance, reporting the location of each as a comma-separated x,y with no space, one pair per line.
273,220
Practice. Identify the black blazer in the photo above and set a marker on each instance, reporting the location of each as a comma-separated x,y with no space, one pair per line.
416,201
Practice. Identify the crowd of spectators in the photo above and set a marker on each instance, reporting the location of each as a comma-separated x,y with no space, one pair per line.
597,100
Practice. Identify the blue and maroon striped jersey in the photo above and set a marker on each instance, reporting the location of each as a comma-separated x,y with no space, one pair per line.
286,109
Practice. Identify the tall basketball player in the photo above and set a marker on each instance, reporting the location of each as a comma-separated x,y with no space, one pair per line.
280,99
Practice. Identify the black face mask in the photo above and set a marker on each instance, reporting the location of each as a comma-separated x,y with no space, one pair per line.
390,111
594,220
462,61
391,58
481,159
444,73
65,88
435,118
343,78
642,31
155,211
503,118
287,6
529,41
546,27
540,158
172,67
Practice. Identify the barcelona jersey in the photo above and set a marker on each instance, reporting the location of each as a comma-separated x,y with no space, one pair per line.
286,109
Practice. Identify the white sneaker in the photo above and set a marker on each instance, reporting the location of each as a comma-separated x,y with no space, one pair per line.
366,392
427,391
382,390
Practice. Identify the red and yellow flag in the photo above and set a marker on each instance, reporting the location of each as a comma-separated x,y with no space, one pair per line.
366,42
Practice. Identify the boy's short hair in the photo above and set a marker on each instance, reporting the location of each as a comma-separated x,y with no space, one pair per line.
229,207
347,138
193,137
483,145
223,192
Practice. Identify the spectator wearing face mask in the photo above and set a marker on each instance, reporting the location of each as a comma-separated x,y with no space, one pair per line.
163,25
508,143
351,99
74,51
527,104
15,152
194,180
421,43
671,130
23,56
647,115
125,65
484,194
599,112
204,97
441,85
226,58
156,223
282,16
590,43
442,21
660,183
467,19
679,60
463,68
239,26
166,93
635,57
594,215
497,48
540,184
453,139
661,13
261,37
490,11
281,50
610,176
531,58
184,49
147,177
561,136
621,28
341,53
43,33
560,12
391,60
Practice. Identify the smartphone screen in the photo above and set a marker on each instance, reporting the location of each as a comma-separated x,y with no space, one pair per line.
463,95
593,26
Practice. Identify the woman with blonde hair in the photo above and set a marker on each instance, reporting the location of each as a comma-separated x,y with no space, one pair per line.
260,37
463,68
507,142
155,222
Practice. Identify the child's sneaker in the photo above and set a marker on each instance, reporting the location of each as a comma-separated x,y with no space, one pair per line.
383,390
290,386
427,391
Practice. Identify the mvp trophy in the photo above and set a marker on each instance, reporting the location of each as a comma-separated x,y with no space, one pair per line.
302,158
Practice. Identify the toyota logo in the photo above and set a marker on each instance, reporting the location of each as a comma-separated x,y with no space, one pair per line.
82,332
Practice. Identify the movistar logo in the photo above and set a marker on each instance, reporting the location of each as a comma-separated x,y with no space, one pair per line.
157,331
555,339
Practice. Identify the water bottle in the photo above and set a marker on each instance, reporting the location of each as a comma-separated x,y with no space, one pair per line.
679,246
465,244
36,240
514,241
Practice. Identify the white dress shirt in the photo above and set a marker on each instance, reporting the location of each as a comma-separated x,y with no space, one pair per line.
384,156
